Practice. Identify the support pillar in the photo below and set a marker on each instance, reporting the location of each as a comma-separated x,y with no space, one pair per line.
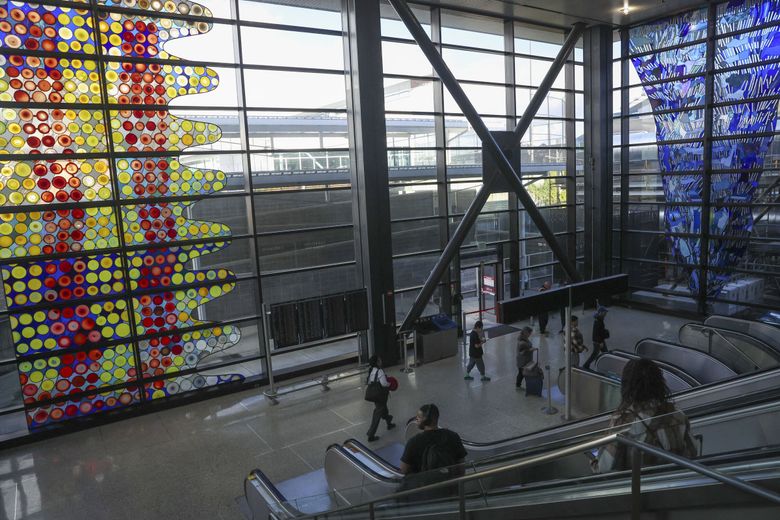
598,151
370,186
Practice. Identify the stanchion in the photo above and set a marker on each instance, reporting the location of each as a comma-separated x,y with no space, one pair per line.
270,393
406,369
549,409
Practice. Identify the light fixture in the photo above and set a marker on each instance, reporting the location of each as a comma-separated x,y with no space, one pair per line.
625,9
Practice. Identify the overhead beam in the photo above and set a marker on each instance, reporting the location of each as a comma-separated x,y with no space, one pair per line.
489,143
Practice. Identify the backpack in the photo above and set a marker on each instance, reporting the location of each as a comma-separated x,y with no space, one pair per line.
685,447
435,457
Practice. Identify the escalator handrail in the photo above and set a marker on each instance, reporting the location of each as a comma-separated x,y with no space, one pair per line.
277,502
376,459
689,351
360,464
665,365
754,342
557,454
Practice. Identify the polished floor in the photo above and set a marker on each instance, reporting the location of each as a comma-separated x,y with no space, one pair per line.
190,462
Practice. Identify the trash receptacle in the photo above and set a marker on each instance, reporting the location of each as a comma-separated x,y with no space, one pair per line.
437,338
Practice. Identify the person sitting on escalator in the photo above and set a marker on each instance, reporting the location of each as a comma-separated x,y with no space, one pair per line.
647,415
433,455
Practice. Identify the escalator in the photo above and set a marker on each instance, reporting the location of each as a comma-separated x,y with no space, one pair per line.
357,475
612,364
741,352
765,332
700,365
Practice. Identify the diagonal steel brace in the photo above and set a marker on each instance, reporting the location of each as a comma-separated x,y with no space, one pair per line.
468,220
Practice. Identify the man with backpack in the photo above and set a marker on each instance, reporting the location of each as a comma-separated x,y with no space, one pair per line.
432,455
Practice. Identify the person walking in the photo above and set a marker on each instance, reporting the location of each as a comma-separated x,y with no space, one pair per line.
645,414
524,353
543,317
577,342
476,344
600,335
381,412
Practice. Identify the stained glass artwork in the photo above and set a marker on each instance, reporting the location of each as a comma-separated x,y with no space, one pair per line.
54,181
174,353
63,280
58,411
738,145
88,370
176,385
93,276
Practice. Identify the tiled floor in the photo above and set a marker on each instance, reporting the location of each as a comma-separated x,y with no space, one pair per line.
189,462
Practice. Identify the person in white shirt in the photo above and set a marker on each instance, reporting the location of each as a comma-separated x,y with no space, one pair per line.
381,412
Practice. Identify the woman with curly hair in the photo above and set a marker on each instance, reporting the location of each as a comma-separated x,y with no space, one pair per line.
645,414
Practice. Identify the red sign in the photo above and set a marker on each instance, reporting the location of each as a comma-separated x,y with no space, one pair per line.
488,284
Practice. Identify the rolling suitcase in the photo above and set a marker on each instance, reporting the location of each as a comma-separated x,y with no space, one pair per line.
534,377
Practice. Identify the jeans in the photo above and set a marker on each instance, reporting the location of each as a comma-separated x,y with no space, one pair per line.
380,412
480,365
598,348
519,378
543,319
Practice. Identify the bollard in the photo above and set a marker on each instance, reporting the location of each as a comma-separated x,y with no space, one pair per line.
549,409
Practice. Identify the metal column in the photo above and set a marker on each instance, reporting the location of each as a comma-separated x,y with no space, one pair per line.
598,151
489,144
704,256
370,187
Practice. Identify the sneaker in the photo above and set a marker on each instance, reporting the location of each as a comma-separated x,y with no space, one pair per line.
390,426
374,438
468,377
484,378
561,332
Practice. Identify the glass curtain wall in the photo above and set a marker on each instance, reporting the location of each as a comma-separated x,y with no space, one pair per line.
162,163
435,157
697,154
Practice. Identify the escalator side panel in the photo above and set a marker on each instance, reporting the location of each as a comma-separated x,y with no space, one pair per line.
702,366
762,331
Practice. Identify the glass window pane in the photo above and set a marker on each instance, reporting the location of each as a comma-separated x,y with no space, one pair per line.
269,88
298,250
280,211
408,95
472,30
404,58
486,99
324,14
477,66
531,72
292,49
295,131
310,283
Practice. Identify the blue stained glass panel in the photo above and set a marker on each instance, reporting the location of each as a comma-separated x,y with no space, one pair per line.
676,94
743,14
749,48
746,83
747,119
671,64
678,30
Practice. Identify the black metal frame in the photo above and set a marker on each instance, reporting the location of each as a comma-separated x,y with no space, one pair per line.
448,79
708,107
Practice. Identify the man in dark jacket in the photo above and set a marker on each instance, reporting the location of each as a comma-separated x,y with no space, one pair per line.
544,317
476,342
600,335
524,353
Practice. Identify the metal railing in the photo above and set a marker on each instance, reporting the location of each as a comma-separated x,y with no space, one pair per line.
709,331
636,474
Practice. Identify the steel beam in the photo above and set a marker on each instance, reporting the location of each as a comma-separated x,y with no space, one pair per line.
489,143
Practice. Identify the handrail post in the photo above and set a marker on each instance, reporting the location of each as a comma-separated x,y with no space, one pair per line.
636,484
371,511
462,500
549,409
271,392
